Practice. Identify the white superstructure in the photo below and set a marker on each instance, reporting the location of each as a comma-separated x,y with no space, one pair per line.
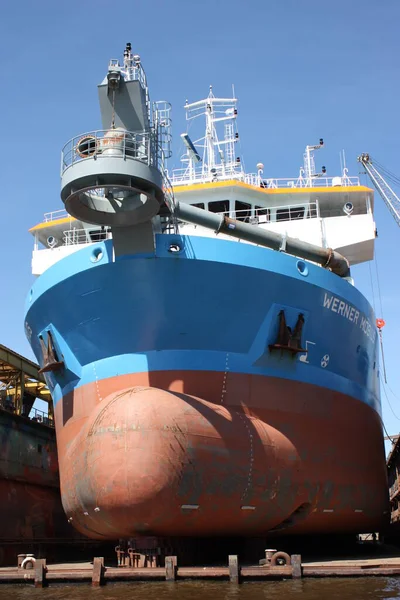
332,212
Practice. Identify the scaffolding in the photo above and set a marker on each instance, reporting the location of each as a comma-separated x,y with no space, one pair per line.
21,385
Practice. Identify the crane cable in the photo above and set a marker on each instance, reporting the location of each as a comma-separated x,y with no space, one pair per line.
385,171
378,282
372,286
385,430
396,180
388,401
380,323
383,355
389,175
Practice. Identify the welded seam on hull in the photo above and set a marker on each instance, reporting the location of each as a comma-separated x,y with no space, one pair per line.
224,382
97,383
250,475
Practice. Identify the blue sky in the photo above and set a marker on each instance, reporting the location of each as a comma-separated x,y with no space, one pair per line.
301,70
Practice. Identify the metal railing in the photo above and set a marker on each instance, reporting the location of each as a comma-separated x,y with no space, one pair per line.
36,415
85,236
253,215
39,416
116,143
187,177
261,215
55,214
302,182
135,72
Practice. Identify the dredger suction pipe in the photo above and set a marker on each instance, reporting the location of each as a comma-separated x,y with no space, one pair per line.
325,257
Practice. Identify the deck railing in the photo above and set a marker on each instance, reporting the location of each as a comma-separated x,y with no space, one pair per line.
36,415
86,236
54,215
181,177
108,143
260,215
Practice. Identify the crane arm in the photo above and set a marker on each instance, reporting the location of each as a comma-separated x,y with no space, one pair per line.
391,199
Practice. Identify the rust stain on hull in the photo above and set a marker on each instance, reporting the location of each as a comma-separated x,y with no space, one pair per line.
171,460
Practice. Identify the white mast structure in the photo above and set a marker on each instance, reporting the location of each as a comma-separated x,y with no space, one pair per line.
308,172
211,157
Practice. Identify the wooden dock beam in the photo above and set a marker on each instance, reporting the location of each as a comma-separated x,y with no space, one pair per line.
40,573
171,564
98,571
233,568
296,566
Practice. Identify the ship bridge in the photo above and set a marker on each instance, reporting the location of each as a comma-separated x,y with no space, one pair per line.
115,184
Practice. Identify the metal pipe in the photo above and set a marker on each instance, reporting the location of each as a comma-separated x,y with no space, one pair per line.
325,257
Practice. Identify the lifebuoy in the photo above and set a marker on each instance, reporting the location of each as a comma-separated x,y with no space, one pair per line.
86,146
380,323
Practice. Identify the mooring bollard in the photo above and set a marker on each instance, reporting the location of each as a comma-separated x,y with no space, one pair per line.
296,566
233,569
98,571
171,563
40,573
269,552
21,558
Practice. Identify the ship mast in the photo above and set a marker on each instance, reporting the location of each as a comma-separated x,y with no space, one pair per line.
212,157
308,169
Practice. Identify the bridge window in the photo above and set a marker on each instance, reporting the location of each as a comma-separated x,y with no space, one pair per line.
242,211
219,206
199,205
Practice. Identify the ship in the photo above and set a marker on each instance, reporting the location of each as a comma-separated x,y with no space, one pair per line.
214,369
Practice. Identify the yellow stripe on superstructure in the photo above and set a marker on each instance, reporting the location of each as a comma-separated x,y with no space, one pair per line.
221,184
54,222
296,190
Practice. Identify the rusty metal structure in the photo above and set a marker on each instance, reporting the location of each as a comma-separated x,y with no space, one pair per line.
21,383
393,467
31,514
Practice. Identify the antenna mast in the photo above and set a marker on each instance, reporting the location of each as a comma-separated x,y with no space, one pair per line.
309,164
217,158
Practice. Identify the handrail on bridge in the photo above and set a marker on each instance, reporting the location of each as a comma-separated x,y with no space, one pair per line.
184,177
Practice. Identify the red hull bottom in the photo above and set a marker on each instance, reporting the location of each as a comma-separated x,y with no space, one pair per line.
213,458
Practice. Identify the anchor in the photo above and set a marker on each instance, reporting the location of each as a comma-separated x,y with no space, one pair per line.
50,358
288,340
